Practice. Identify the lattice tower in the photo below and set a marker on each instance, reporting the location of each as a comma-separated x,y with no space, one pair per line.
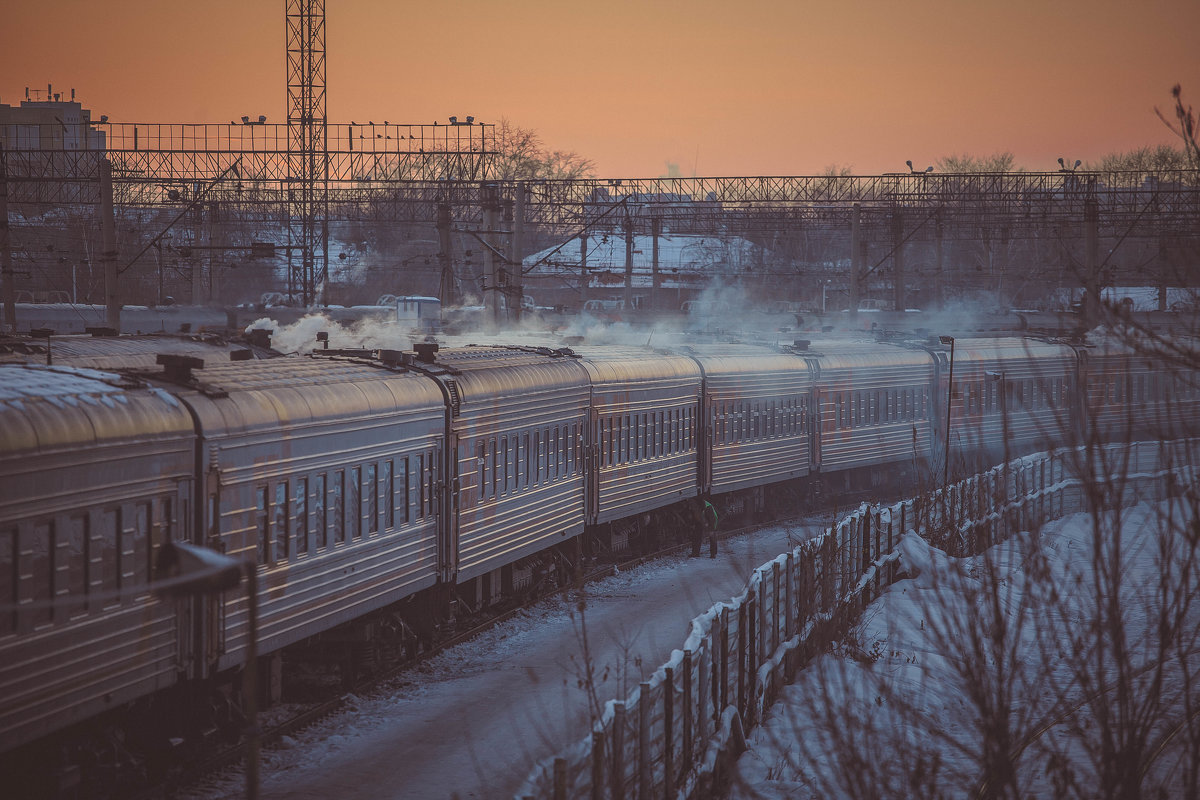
308,155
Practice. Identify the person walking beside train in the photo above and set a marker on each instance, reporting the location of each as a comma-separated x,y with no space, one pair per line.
710,520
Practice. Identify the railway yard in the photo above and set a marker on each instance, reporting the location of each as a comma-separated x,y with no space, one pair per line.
384,460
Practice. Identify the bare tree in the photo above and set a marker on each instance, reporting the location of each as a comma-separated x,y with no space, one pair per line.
1184,126
521,155
997,162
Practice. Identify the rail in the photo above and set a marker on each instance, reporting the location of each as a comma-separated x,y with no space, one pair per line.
679,732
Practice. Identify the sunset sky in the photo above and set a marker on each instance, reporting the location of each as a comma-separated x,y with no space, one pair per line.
746,87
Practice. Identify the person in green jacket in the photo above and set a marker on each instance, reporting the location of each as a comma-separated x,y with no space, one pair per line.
711,519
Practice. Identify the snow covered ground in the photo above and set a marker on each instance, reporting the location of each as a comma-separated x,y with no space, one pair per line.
1072,666
474,720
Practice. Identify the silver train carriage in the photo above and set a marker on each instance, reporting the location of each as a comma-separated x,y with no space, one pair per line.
756,417
643,437
95,475
516,427
1144,388
1008,396
322,472
875,406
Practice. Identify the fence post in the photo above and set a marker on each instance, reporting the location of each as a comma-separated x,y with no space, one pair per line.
721,693
669,732
560,778
618,751
742,656
775,589
688,719
789,618
598,763
644,768
703,694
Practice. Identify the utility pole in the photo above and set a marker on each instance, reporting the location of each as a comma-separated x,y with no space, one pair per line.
856,257
108,248
517,252
447,290
628,261
491,271
216,239
308,149
584,279
7,279
656,294
939,262
898,297
196,259
1091,260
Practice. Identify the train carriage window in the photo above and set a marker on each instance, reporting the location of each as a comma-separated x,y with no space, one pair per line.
419,486
338,507
372,489
563,430
577,440
279,522
37,560
8,580
169,522
606,441
139,561
430,475
400,488
102,551
495,466
535,476
354,502
481,468
320,518
503,468
515,466
300,510
527,477
262,524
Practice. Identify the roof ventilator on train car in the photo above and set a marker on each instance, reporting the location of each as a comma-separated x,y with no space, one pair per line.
100,331
426,351
392,358
260,337
178,369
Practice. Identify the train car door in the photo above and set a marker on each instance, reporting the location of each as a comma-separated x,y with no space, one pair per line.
591,500
448,507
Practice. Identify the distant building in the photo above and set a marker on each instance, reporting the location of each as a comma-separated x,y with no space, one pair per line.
53,142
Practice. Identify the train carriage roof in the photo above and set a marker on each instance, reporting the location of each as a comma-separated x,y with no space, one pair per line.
617,364
241,396
844,359
487,372
123,352
64,407
1017,357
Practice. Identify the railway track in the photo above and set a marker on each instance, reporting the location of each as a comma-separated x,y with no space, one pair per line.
197,772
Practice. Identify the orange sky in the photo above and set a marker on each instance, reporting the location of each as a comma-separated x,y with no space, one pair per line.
738,87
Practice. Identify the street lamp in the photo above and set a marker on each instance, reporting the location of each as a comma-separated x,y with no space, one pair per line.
948,340
914,171
1062,167
184,570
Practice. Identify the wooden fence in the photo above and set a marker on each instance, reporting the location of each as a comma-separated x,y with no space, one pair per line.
677,734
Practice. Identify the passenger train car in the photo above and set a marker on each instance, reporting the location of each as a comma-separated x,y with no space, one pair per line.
384,491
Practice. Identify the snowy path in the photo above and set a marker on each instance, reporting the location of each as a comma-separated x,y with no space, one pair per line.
473,723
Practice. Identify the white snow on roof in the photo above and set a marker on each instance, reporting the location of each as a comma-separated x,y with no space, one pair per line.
676,253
